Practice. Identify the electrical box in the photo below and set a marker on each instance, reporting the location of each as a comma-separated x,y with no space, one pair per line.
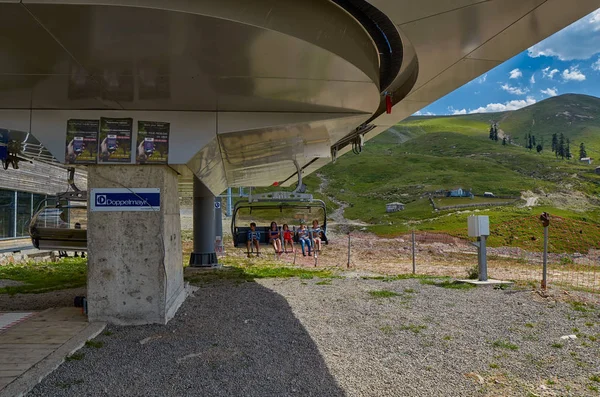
3,145
479,226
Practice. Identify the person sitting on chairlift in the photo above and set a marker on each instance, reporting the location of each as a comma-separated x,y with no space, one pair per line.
287,238
253,238
274,238
304,238
316,235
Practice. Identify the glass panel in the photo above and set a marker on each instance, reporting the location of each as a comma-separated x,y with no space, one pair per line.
37,199
51,201
23,213
7,214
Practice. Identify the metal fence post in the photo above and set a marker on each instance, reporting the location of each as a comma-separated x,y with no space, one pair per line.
545,259
348,265
414,270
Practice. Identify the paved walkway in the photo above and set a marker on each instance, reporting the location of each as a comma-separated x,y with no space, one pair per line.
34,344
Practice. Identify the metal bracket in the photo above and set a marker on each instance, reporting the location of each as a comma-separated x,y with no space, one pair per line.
279,196
73,196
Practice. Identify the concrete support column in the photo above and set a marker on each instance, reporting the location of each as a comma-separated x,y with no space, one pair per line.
135,271
204,227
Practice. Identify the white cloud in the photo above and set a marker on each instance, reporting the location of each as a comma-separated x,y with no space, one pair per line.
546,72
514,90
503,107
596,65
482,79
580,40
573,73
532,79
515,74
419,113
550,91
457,112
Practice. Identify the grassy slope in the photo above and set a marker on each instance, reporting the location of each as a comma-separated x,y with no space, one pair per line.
448,152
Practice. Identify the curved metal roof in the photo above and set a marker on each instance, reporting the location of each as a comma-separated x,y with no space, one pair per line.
249,87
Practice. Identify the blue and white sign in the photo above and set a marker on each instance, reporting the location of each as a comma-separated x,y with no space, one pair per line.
122,199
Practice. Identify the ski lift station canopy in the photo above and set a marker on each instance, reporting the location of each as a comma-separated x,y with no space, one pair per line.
245,88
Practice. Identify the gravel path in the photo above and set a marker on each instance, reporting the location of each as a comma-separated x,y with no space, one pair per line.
286,337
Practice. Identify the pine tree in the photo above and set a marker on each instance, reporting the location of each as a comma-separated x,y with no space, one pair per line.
539,148
582,152
561,146
530,143
568,150
533,141
495,133
504,141
554,142
492,132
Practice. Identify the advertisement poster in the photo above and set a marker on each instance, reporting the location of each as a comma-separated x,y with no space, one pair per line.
152,142
115,140
82,141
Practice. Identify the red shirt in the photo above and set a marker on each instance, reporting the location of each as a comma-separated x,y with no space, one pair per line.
287,235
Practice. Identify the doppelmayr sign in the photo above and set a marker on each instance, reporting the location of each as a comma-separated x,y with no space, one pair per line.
123,199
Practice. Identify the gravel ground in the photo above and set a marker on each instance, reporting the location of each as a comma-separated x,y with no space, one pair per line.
283,337
42,301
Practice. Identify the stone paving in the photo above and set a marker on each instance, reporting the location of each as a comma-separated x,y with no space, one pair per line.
38,343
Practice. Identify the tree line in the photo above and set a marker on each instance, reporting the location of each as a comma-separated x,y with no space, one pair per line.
561,146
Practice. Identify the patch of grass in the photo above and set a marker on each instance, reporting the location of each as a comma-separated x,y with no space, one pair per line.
595,378
473,272
414,328
575,330
550,382
383,293
557,345
505,345
45,276
580,307
242,272
593,387
494,366
75,357
448,284
409,290
529,325
386,329
94,343
324,282
592,338
107,333
447,337
589,324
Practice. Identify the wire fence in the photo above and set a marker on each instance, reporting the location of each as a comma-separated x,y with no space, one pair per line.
569,270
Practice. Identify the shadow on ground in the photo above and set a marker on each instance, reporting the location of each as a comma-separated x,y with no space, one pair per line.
230,339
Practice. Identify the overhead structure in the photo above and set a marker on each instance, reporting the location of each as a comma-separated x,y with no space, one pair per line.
247,88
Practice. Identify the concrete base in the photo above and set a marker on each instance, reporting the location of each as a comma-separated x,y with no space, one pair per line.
486,283
135,265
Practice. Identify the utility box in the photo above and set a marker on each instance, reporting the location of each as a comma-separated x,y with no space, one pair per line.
479,226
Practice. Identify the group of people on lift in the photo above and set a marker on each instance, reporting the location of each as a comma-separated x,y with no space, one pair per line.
310,239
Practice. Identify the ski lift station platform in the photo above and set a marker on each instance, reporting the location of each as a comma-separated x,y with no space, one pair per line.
146,94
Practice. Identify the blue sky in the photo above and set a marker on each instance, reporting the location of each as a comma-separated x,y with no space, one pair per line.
566,62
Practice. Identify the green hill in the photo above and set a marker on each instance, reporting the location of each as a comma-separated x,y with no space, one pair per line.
423,155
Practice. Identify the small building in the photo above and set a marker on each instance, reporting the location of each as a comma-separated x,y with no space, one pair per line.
488,194
394,207
586,160
460,192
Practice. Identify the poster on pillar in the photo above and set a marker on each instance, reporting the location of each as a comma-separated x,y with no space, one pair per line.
115,140
82,141
152,142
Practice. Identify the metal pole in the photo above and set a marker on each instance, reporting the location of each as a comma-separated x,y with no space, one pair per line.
348,251
414,253
228,213
545,269
482,259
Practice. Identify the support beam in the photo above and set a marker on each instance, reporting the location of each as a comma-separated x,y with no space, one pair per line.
135,272
204,227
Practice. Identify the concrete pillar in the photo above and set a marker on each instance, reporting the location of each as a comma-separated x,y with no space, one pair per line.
204,227
135,262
